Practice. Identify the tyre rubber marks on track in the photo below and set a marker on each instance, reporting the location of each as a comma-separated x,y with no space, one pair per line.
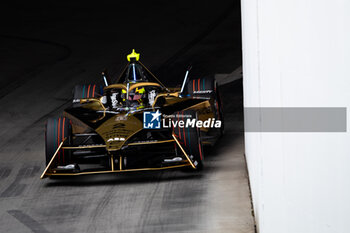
4,172
17,187
29,222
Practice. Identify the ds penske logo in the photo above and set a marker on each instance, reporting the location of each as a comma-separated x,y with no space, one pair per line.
151,120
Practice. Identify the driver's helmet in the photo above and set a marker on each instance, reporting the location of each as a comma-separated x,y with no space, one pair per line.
137,94
137,97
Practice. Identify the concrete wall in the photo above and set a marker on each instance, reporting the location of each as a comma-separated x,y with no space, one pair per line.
296,53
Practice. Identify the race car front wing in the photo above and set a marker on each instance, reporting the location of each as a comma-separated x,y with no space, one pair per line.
53,170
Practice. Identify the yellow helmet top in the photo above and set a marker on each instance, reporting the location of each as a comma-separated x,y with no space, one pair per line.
133,54
140,91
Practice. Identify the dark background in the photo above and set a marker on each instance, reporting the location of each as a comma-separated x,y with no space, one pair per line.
94,36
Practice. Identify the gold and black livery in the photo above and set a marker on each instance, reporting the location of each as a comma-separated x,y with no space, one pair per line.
103,131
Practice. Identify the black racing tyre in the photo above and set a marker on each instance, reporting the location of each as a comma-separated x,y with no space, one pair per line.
86,91
190,138
219,108
56,130
202,87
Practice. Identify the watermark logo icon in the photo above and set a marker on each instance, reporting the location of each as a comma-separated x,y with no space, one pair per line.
151,120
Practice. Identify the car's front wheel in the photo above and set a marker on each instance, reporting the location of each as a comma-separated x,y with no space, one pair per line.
57,130
189,138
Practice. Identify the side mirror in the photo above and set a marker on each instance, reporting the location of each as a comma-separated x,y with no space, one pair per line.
94,109
93,104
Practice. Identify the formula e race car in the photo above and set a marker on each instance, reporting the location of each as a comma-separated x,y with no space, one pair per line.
134,124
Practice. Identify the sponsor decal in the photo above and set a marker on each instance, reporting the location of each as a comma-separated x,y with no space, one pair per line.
118,125
121,118
151,97
203,92
148,141
115,139
151,120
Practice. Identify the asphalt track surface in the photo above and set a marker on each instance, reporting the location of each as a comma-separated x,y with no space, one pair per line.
47,48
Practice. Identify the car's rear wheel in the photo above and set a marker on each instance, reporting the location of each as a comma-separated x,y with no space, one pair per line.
86,91
189,138
57,129
202,87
